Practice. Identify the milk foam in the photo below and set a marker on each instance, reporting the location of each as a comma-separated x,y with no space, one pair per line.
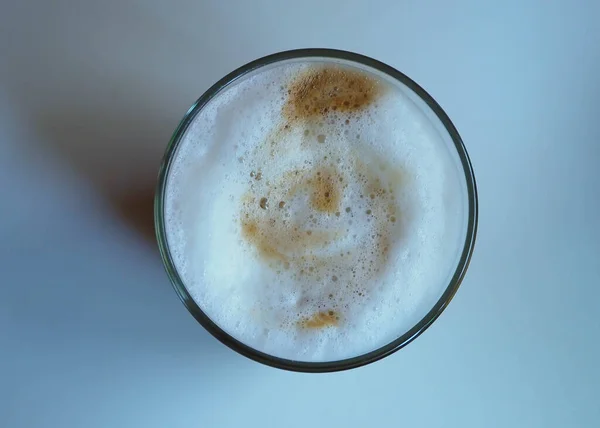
313,237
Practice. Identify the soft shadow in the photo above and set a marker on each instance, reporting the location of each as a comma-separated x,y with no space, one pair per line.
118,152
137,208
104,97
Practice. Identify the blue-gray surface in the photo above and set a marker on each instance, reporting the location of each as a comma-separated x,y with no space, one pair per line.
91,333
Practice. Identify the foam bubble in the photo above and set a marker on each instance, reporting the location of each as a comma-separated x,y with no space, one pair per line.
313,212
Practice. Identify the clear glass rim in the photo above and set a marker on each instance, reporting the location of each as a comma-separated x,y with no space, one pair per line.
329,366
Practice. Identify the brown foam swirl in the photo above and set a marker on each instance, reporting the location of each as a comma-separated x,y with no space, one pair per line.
333,190
318,92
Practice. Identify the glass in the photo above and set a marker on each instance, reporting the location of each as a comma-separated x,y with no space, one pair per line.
443,125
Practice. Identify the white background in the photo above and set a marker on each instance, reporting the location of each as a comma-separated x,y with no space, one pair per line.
91,333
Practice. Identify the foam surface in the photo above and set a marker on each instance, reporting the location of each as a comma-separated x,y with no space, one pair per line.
313,212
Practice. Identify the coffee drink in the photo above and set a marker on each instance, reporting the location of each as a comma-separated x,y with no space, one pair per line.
314,211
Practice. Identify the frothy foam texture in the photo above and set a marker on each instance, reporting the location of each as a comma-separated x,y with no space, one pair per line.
313,211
